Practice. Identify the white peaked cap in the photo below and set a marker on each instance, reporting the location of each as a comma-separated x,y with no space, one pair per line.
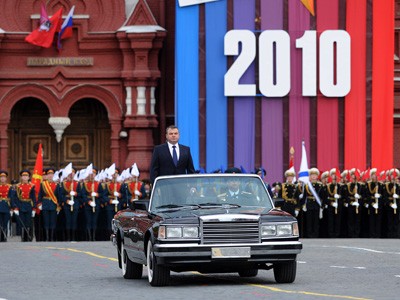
135,170
66,171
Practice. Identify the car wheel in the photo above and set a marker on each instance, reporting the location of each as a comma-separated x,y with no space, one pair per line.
248,273
158,275
130,270
285,272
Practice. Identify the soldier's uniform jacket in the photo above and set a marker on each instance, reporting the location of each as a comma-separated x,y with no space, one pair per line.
351,189
288,193
63,192
331,190
6,197
109,189
390,189
48,195
86,191
308,198
25,197
372,188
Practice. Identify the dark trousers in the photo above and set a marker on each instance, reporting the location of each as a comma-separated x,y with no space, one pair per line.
49,219
71,217
353,222
4,218
375,223
91,217
334,222
392,223
312,223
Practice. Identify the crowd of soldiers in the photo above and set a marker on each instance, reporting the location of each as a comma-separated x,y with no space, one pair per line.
348,204
67,207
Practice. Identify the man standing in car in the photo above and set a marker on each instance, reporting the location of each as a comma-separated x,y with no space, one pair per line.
171,158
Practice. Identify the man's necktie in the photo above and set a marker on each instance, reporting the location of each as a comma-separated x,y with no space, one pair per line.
174,156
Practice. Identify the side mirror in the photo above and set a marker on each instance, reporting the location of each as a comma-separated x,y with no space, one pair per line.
140,205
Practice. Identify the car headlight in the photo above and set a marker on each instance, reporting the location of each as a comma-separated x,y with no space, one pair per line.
284,230
268,230
190,232
279,230
178,232
174,232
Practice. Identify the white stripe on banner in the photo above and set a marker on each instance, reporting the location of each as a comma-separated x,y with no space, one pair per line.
193,2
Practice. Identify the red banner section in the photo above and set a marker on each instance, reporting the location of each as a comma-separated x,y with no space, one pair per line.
355,103
327,109
382,84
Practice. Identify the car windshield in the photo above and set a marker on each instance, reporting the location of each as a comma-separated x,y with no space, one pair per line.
196,192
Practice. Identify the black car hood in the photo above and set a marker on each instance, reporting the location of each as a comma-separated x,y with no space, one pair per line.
191,215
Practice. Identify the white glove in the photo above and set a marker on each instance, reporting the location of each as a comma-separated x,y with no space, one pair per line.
33,213
301,196
376,206
346,205
334,204
336,196
72,193
116,194
393,205
137,193
16,212
377,195
296,213
115,202
357,196
321,214
71,202
366,205
40,207
92,204
11,213
356,204
395,196
304,208
93,194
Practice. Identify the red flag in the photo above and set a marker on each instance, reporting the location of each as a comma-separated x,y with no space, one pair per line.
44,35
38,171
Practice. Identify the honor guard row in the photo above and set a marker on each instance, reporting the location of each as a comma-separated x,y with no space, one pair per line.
67,207
348,204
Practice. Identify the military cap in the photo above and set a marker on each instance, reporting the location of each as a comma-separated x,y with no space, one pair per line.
324,175
25,172
333,171
233,170
314,171
344,173
289,173
394,170
3,173
373,171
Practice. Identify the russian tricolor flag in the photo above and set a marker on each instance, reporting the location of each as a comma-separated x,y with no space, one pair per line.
66,28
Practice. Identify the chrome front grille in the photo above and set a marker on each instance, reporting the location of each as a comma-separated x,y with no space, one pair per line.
230,232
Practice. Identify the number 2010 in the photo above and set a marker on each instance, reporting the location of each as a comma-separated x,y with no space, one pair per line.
274,62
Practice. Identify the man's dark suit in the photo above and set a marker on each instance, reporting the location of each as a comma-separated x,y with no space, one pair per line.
162,163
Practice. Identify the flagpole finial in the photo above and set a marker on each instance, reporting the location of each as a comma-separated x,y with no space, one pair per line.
291,151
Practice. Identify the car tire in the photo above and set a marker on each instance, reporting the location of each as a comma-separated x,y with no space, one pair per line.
248,273
157,275
130,270
285,272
